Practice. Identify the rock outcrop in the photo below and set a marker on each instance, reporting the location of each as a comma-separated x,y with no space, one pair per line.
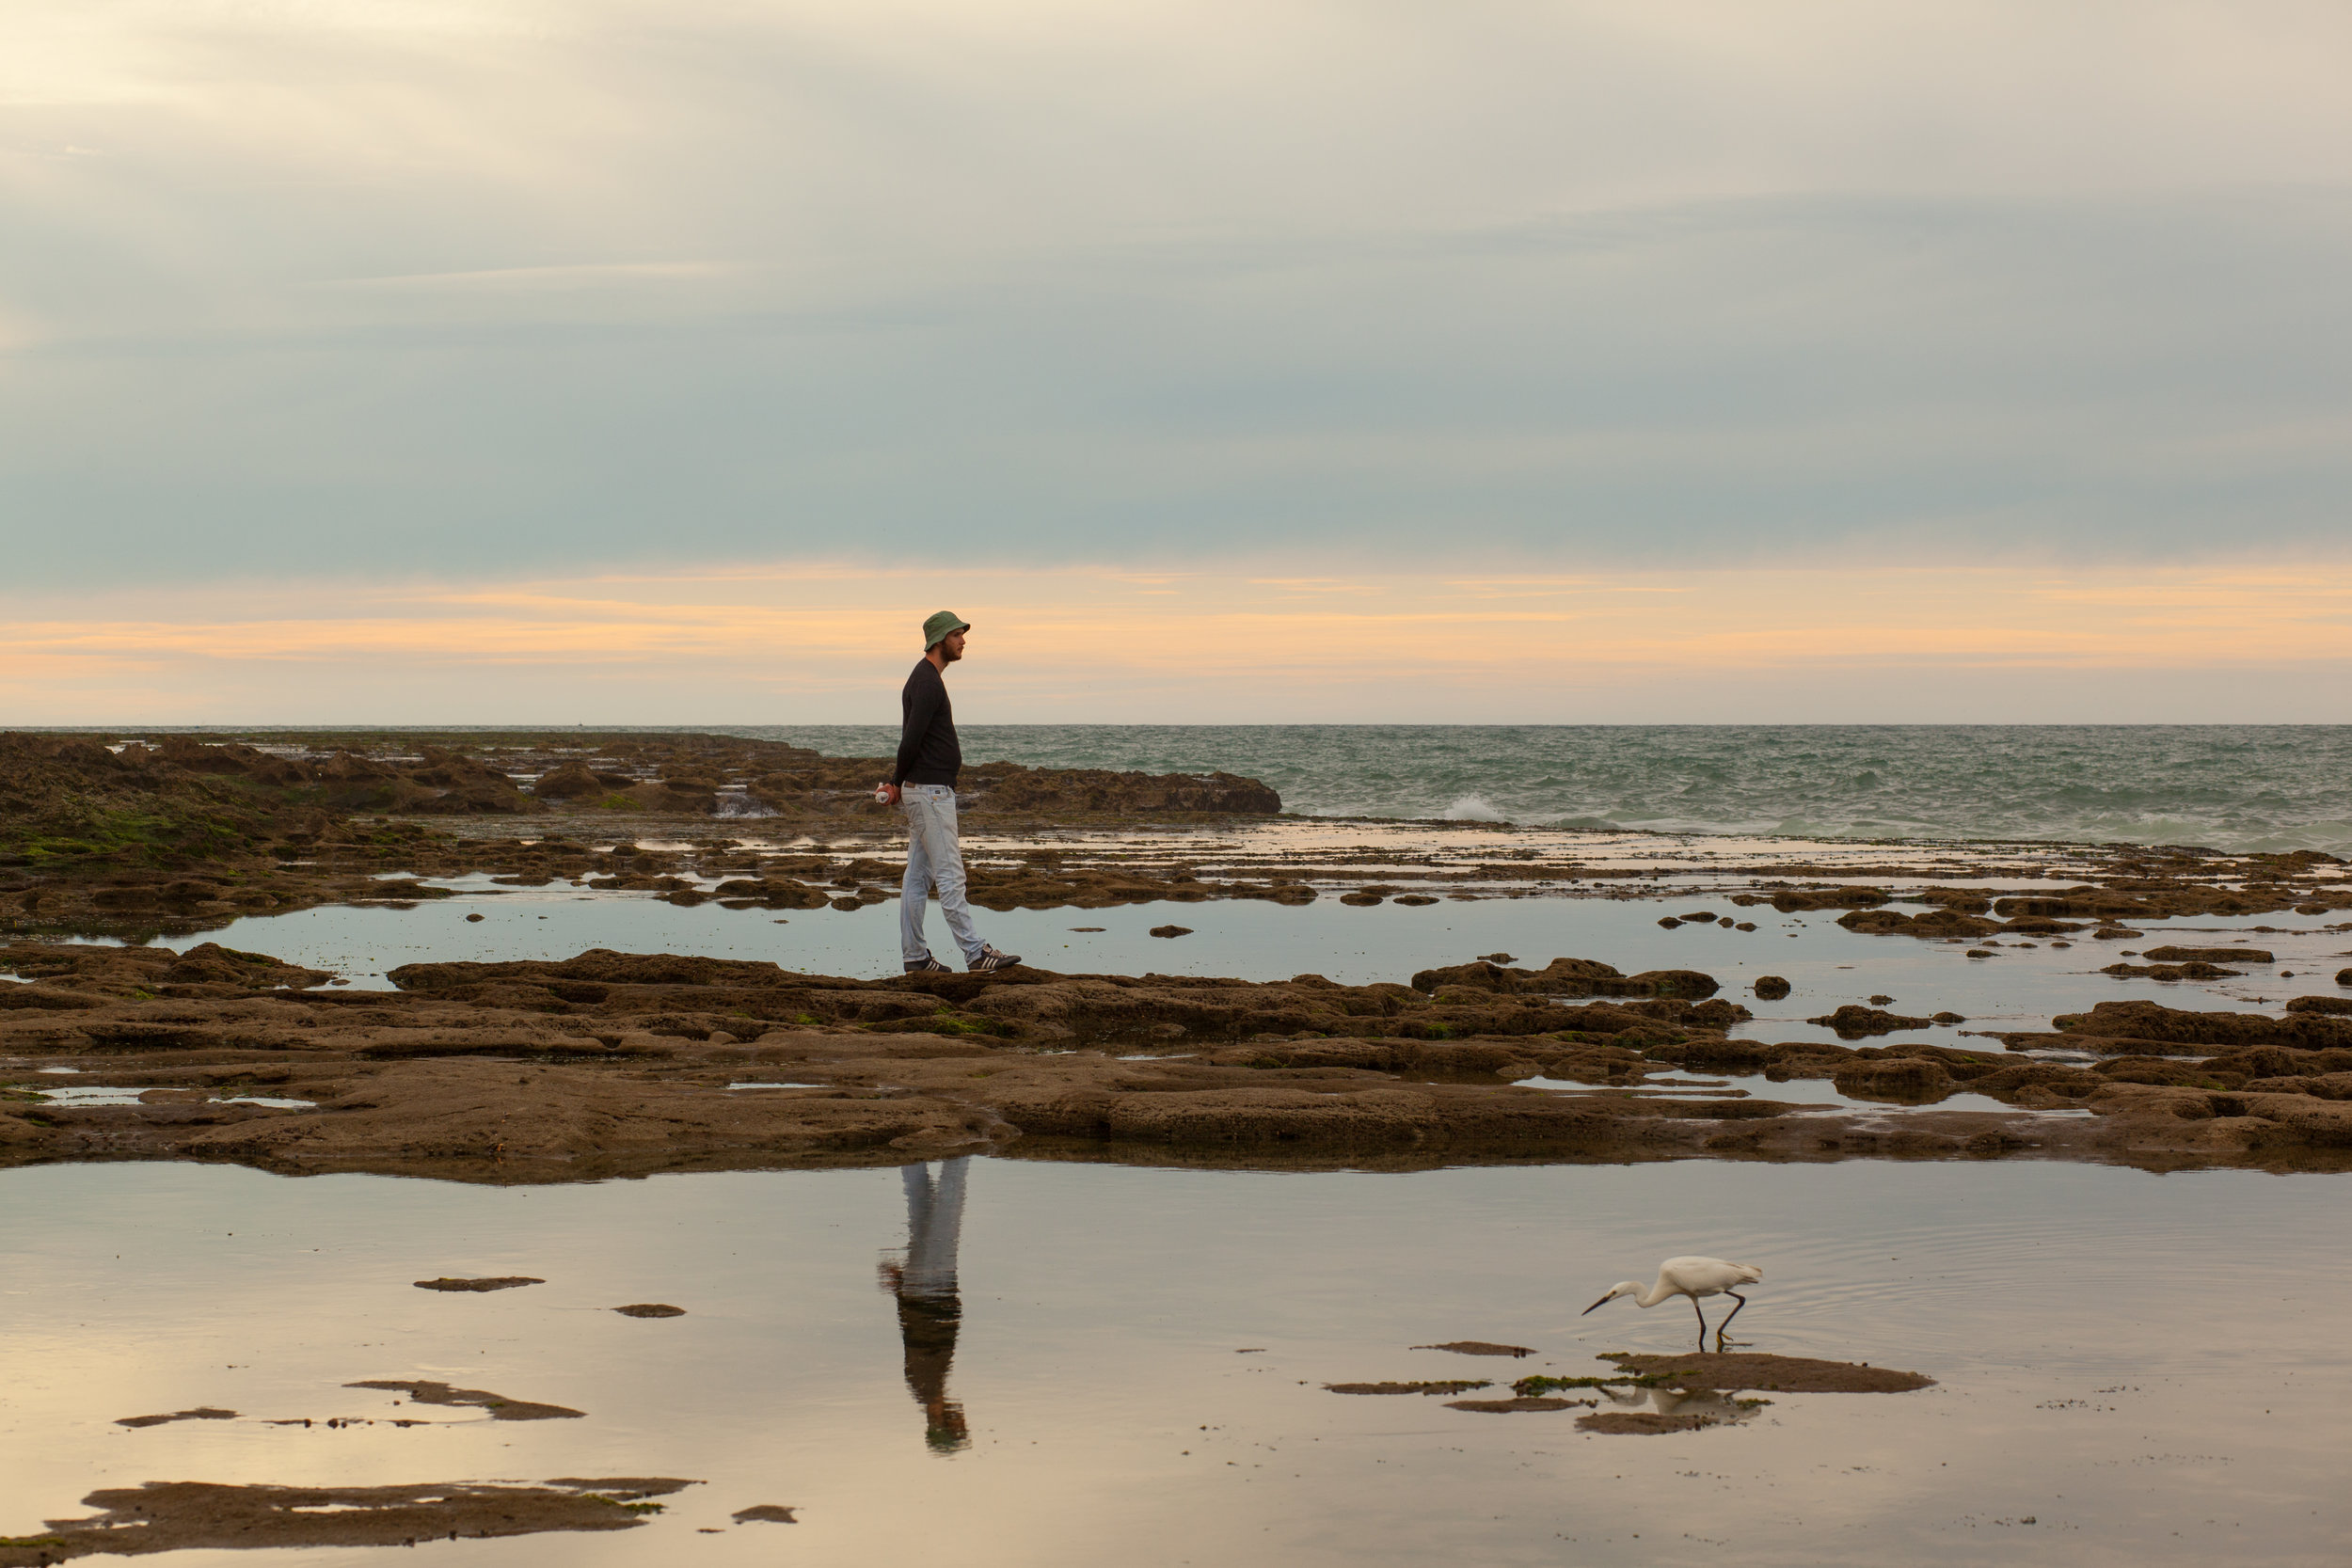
614,1063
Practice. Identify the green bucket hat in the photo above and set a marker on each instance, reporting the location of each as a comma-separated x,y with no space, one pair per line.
936,628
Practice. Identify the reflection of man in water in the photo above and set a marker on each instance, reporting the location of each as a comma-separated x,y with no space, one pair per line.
930,1309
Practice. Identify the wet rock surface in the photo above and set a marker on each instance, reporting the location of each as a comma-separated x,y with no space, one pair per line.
2152,1020
460,774
498,1405
1734,1370
2193,971
1437,1387
498,1282
1520,1404
202,1413
187,835
187,1515
182,836
1567,977
616,1063
1654,1394
1853,1023
1694,1391
1645,1423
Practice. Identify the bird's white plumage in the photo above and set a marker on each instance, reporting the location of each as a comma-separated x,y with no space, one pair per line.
1687,1277
1704,1276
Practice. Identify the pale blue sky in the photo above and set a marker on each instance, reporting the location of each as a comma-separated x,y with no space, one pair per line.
393,288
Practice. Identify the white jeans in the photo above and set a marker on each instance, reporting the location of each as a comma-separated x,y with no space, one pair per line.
935,1221
933,860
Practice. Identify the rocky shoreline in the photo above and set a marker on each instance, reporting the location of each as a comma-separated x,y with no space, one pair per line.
612,1063
185,837
620,1064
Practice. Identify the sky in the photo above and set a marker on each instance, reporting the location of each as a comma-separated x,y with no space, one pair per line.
613,361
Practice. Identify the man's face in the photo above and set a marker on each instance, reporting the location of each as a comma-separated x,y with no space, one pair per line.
951,647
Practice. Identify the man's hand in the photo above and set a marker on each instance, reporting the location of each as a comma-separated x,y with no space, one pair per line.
890,793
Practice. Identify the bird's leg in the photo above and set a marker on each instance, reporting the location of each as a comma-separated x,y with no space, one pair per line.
1725,1324
1694,1306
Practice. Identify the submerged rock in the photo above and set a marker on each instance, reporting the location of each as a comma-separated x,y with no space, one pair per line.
1795,901
2170,971
1733,1370
1853,1021
1910,1079
187,1515
1646,1423
1517,1404
1440,1388
1567,977
202,1413
1935,925
498,1405
498,1282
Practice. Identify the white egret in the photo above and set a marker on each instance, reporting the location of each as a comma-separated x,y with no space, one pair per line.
1693,1278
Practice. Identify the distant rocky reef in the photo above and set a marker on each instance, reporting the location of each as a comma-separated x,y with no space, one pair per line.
65,796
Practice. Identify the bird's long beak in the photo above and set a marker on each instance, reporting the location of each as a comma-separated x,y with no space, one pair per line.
1602,1302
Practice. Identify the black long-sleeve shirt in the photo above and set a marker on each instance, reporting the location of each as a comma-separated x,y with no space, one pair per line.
927,751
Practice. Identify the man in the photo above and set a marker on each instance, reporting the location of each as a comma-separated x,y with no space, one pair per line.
929,1309
923,785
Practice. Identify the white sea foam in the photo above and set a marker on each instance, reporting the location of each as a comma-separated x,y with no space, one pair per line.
1471,808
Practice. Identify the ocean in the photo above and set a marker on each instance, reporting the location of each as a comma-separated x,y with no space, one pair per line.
2223,786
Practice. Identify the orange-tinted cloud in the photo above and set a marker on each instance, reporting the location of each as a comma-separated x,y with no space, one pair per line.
815,641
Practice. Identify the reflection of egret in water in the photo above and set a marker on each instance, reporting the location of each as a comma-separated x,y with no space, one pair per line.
930,1310
1709,1403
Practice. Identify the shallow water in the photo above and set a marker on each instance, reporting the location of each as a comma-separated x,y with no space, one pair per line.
2143,1366
2132,1368
129,1095
2020,988
1817,1092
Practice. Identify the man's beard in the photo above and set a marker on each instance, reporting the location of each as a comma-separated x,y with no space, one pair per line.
948,655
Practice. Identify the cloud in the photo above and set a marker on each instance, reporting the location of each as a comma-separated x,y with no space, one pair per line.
585,275
827,642
362,287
